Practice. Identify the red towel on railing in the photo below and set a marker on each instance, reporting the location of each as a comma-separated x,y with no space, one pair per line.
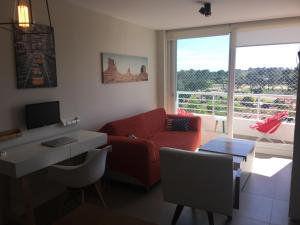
183,112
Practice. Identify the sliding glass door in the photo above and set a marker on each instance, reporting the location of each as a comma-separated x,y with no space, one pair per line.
265,90
202,81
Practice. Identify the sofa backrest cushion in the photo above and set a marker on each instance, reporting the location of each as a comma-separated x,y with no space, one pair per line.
154,121
142,125
125,127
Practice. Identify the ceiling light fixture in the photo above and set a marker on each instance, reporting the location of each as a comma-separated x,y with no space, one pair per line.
24,17
24,14
206,9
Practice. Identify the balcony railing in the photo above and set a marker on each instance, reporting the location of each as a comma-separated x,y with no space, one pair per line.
249,106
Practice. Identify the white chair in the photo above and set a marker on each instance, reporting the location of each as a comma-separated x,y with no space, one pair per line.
83,175
198,180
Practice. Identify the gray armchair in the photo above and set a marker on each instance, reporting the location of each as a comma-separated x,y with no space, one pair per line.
199,180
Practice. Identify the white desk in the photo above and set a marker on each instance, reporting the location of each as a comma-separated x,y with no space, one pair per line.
23,160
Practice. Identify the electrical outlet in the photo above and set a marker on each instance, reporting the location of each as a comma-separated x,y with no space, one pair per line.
70,121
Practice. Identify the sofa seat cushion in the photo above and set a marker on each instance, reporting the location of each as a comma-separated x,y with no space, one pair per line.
189,140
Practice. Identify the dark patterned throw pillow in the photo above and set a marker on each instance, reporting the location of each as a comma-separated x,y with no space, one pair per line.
169,124
180,124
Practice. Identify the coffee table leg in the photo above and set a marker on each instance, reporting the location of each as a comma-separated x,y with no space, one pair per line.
246,169
28,204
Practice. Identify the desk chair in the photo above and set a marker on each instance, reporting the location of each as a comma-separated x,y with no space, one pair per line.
199,180
83,175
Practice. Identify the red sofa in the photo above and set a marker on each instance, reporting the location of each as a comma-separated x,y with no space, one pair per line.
139,158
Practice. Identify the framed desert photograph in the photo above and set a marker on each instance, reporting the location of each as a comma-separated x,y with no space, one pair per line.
123,68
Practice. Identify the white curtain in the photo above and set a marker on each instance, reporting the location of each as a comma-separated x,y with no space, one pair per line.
198,32
277,31
282,32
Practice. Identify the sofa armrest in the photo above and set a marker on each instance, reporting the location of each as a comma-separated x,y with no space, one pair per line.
140,149
194,121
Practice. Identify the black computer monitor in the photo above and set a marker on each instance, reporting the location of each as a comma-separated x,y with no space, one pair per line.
42,114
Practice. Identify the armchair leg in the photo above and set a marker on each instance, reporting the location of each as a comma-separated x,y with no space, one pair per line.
82,196
210,218
147,189
229,218
236,204
177,213
100,195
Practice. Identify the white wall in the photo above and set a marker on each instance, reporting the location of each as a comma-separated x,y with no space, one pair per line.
80,35
162,69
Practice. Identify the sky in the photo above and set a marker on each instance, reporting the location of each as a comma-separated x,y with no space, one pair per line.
212,53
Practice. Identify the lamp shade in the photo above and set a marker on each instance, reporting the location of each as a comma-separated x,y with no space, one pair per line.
24,13
23,16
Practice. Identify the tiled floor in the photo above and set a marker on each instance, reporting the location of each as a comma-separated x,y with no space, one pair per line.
264,201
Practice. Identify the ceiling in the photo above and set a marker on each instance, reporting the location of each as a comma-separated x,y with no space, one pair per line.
174,14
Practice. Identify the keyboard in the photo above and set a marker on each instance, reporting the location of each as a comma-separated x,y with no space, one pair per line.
59,142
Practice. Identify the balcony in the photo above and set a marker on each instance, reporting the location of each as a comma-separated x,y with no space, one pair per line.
248,109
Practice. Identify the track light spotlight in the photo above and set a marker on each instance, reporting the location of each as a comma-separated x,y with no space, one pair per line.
206,9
